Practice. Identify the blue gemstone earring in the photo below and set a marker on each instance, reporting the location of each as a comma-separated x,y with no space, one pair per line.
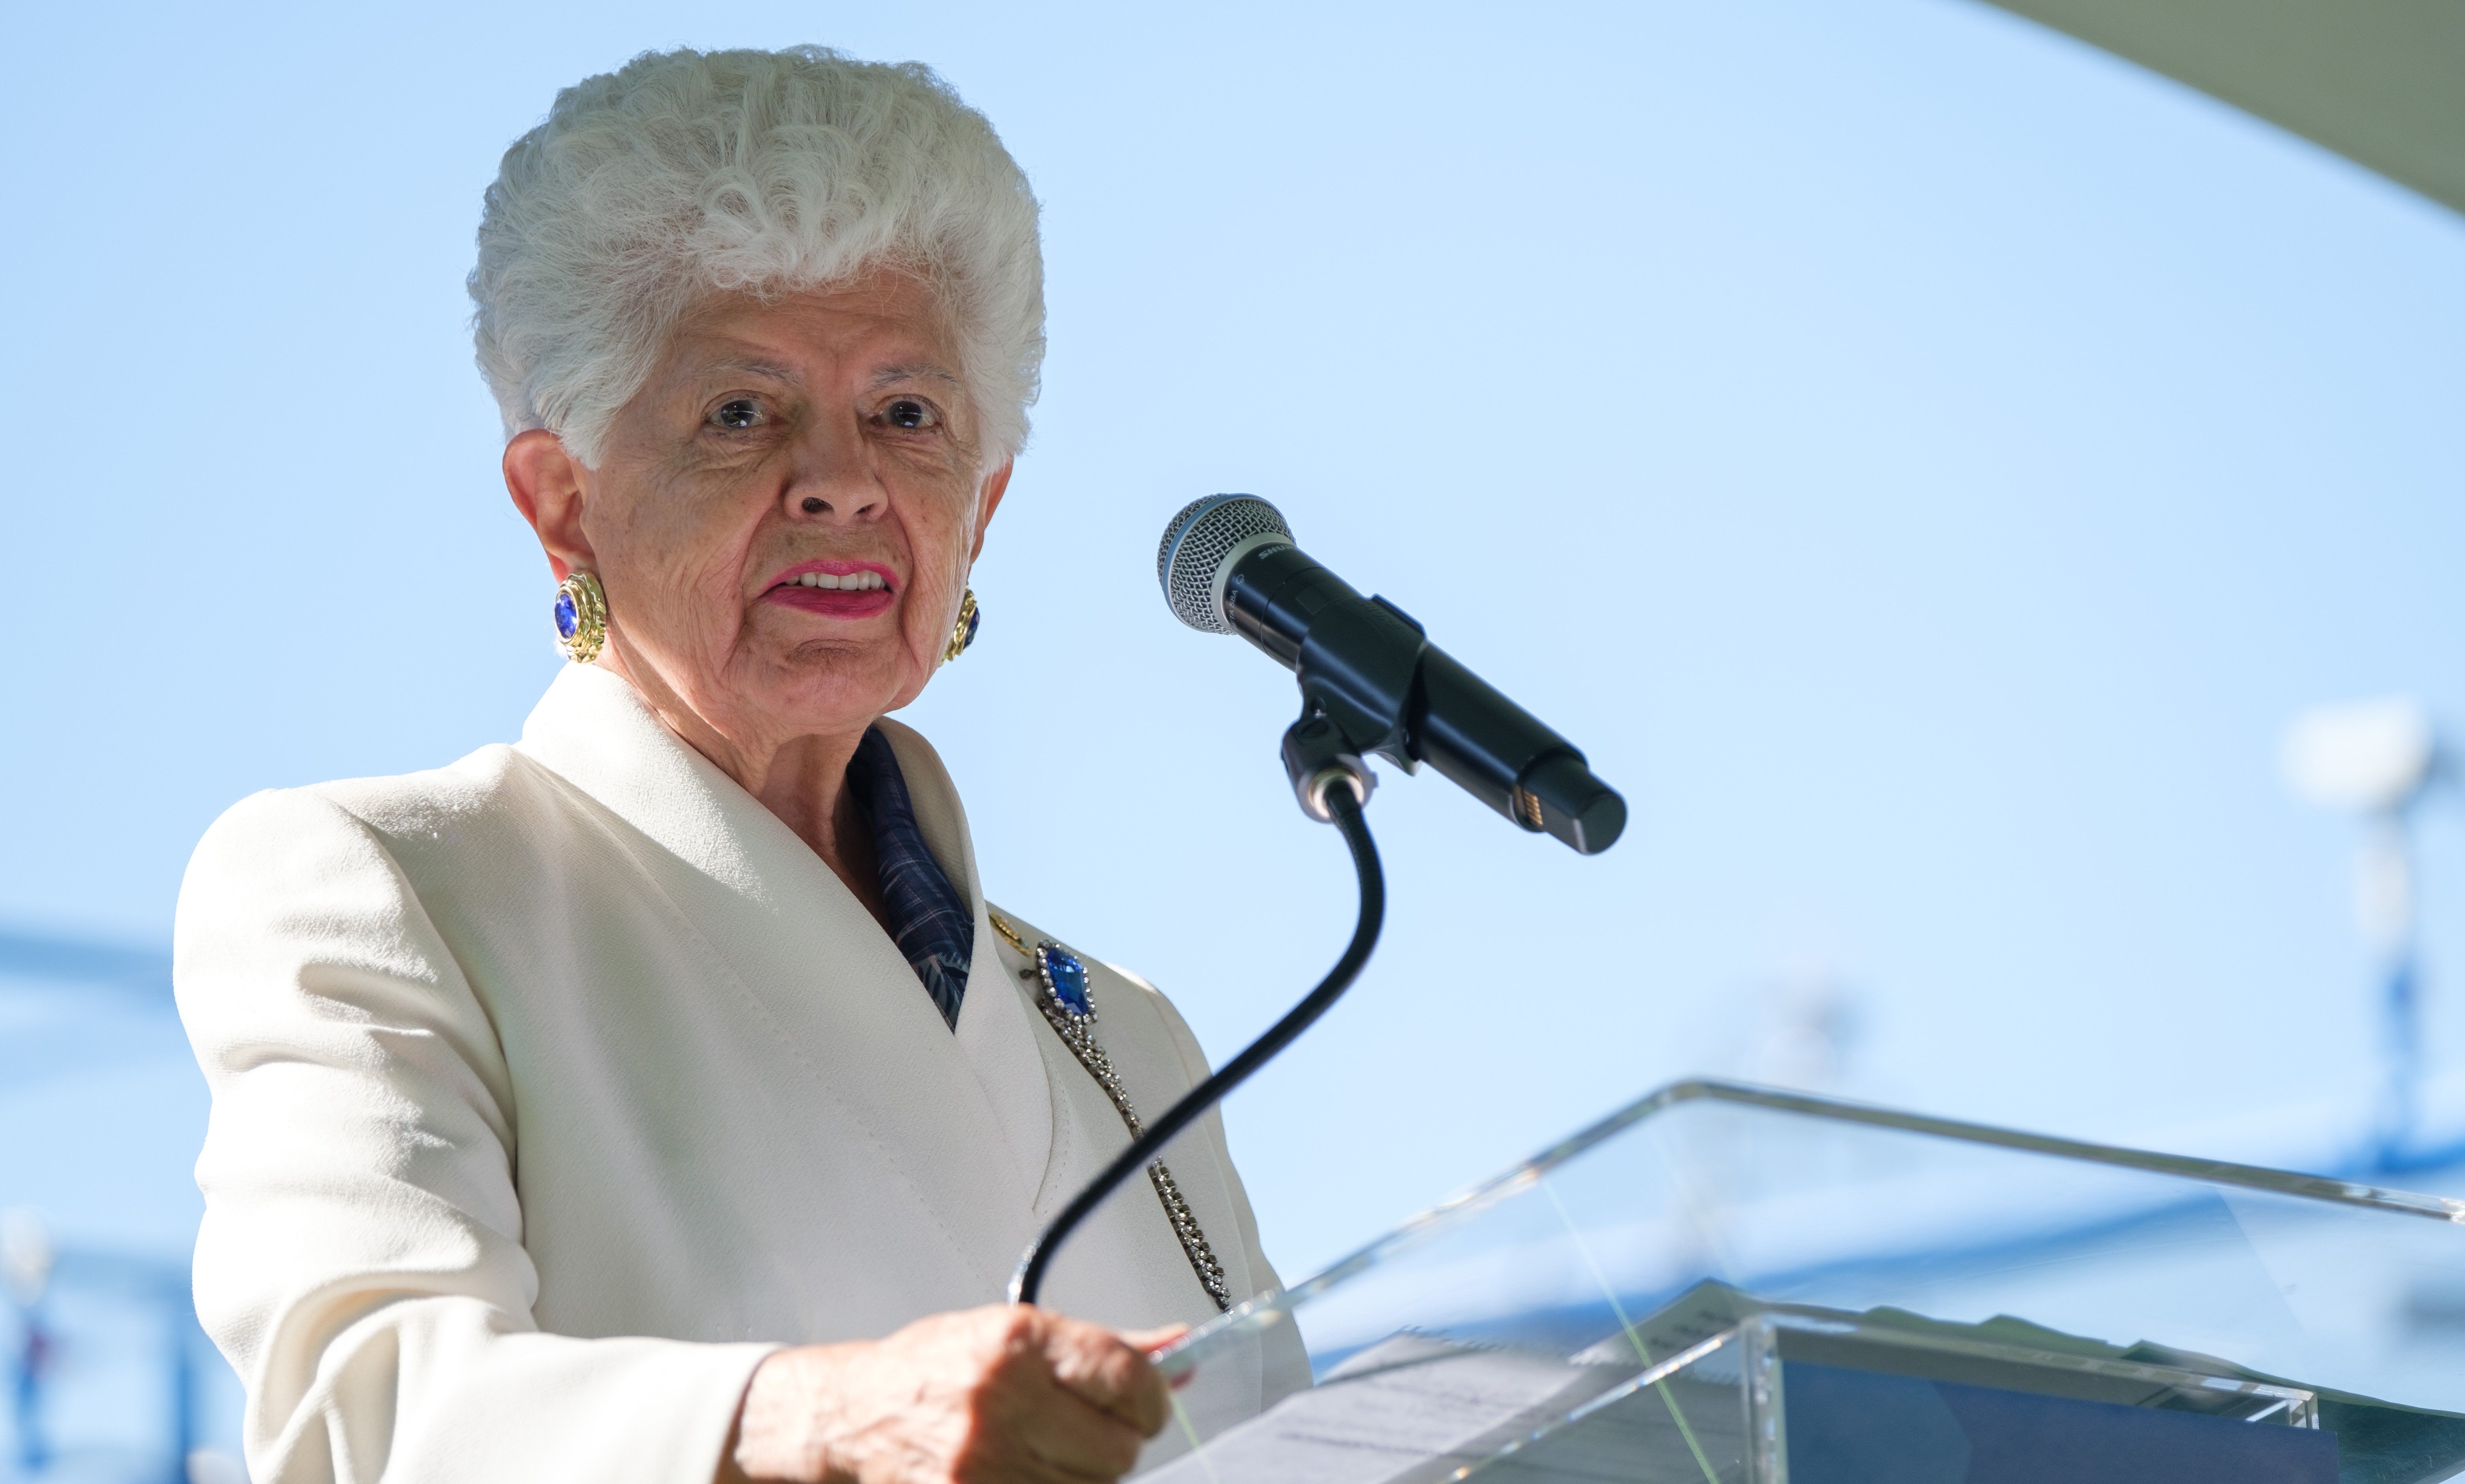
964,632
581,617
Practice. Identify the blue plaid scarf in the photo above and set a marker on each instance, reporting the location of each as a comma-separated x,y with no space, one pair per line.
929,919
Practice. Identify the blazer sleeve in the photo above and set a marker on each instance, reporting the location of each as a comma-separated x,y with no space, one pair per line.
360,1264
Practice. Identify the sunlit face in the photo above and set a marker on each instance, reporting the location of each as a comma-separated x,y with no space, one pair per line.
787,512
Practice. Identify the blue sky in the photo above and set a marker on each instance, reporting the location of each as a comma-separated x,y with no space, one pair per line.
1922,460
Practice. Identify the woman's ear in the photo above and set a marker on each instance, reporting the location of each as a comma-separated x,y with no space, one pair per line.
546,482
996,484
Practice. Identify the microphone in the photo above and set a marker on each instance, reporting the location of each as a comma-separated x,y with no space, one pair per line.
1228,564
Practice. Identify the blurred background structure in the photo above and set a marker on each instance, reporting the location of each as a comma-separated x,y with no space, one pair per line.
1926,460
108,1375
2377,760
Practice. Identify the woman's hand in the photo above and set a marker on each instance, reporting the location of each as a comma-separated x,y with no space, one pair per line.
1001,1395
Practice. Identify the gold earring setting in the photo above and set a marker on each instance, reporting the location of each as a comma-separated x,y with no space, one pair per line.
581,617
964,632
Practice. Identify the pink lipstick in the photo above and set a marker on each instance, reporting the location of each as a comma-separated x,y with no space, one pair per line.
836,589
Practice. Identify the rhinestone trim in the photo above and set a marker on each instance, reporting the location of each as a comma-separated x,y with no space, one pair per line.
1078,1034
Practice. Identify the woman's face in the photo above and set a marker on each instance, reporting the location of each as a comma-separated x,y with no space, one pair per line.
787,512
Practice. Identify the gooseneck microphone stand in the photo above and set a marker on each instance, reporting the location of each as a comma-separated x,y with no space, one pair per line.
1332,785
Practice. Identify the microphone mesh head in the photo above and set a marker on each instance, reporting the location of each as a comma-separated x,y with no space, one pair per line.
1195,546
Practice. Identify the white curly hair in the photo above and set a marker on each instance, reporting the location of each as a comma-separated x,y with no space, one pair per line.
685,173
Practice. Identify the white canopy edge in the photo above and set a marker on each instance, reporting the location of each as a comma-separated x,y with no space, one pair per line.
2379,82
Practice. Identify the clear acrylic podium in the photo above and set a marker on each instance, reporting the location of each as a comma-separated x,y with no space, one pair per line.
1723,1283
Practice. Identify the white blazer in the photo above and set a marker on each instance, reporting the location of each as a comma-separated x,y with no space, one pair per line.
555,1088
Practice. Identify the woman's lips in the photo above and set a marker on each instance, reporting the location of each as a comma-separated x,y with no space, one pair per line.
834,604
836,589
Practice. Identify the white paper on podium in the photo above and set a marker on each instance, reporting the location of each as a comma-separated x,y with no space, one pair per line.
1406,1409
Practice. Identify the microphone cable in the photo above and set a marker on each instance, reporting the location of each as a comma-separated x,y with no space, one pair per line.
1344,808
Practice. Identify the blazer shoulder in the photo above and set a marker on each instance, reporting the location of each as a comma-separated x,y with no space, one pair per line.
495,779
490,777
360,825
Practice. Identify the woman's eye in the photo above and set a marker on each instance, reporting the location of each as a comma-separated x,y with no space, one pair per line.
738,413
907,413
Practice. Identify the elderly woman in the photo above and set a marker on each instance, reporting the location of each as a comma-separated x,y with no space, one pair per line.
658,1098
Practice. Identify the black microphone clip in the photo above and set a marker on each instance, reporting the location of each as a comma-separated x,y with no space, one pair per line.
1318,757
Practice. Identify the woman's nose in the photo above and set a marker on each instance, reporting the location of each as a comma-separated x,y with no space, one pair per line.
834,477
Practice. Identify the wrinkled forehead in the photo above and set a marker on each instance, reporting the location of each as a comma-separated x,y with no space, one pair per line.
885,330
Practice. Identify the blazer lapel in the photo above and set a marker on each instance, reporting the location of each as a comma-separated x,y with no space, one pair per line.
997,1034
823,969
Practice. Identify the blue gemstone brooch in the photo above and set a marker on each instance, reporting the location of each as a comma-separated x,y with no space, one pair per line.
1065,979
1069,1005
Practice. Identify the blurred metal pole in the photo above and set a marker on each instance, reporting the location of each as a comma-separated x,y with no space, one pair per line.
26,1259
2384,909
2375,758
